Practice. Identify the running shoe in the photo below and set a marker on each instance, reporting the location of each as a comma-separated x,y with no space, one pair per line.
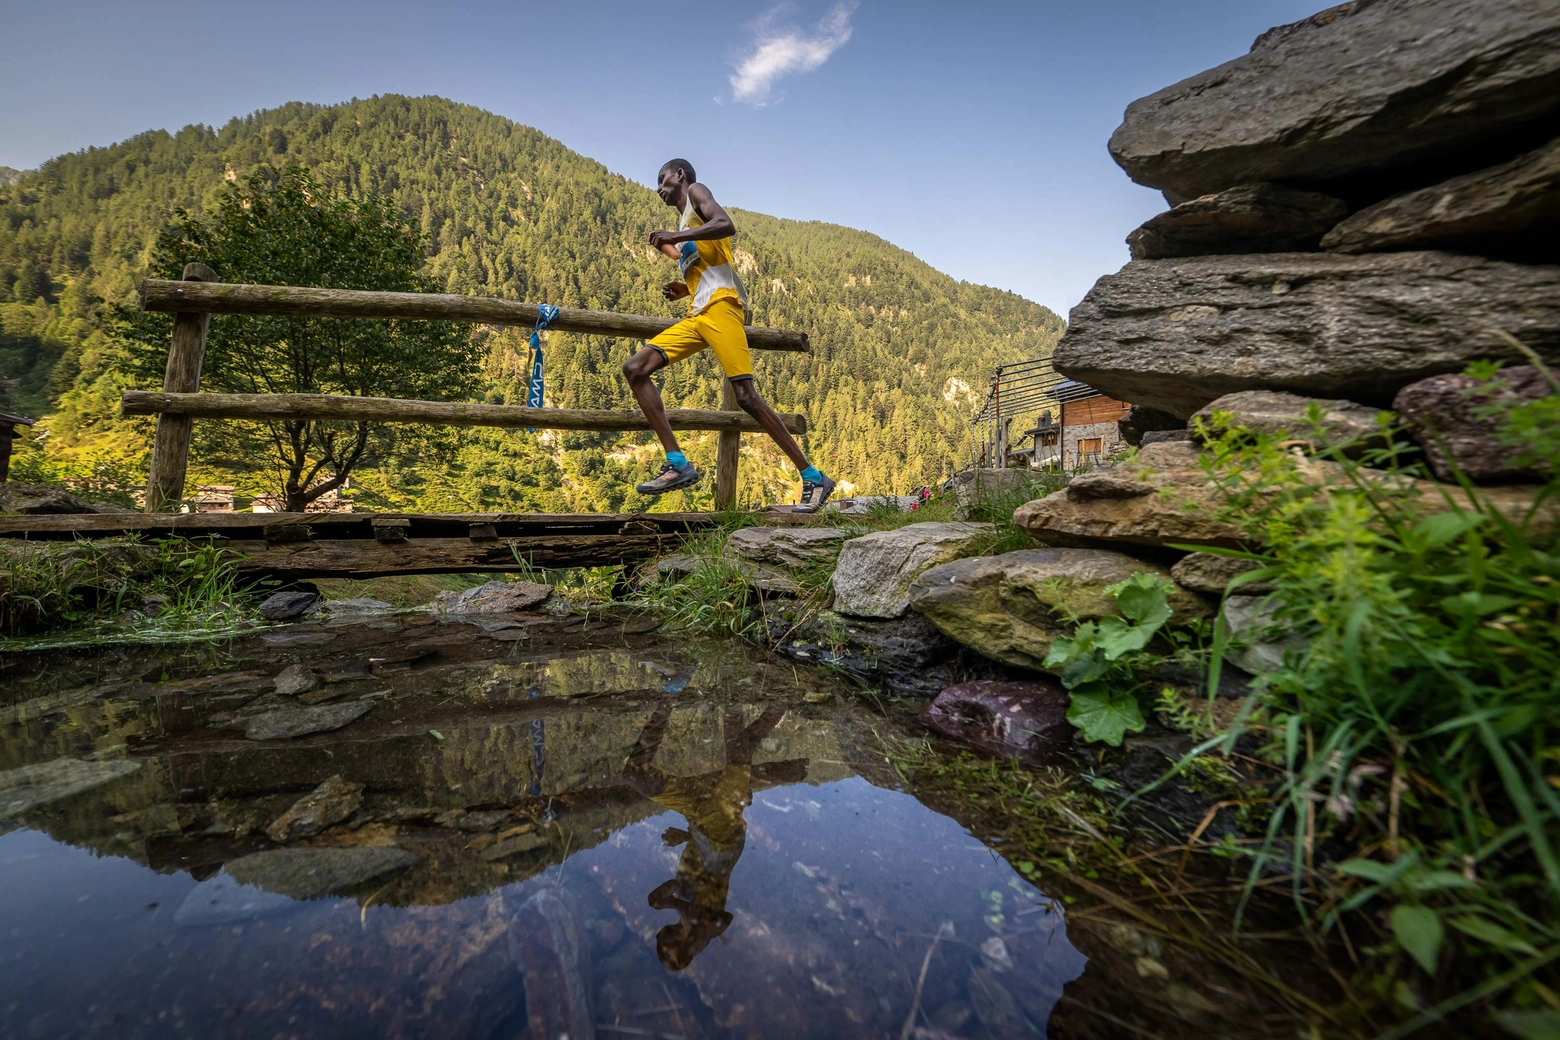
670,479
814,495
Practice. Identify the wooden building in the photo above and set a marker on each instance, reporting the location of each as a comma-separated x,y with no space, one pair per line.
1088,428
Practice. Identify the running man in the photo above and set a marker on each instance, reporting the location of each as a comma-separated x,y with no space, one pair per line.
717,318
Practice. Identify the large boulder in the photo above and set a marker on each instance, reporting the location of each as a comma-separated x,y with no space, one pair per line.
1012,607
789,547
1362,89
1248,218
1457,420
1346,425
1165,498
1176,334
1508,210
904,655
873,576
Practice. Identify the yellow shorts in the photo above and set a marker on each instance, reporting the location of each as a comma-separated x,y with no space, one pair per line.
721,328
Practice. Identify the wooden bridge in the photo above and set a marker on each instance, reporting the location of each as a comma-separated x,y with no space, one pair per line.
362,545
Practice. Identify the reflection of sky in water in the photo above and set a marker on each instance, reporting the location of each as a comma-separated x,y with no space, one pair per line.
834,898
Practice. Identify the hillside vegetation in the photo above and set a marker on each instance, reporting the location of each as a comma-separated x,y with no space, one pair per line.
507,212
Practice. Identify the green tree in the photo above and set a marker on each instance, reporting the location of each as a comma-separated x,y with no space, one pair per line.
285,229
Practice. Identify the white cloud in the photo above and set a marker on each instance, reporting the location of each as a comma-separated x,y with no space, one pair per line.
777,53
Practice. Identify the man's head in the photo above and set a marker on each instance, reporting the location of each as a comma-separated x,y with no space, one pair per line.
672,184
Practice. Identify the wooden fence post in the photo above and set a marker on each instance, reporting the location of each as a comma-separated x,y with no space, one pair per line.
171,449
728,453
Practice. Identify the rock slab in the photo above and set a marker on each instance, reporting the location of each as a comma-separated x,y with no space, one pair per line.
295,679
1457,420
1024,720
789,547
285,606
1508,210
325,806
1350,427
1012,607
495,597
1248,218
874,573
1177,334
1183,507
1362,88
301,722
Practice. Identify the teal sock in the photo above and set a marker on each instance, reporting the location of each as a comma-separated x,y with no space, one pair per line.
811,473
676,458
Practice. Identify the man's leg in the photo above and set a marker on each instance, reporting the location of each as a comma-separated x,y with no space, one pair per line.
637,370
727,336
675,343
816,488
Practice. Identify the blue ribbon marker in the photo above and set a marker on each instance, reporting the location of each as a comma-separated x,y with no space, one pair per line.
545,314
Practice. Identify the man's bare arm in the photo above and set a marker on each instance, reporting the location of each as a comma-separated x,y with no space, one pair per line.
717,223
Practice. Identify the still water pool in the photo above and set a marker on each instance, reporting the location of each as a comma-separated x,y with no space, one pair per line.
561,827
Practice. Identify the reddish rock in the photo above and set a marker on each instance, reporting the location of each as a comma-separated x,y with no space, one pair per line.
1026,720
1457,420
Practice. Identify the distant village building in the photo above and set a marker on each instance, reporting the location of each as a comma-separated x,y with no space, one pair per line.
1089,433
210,498
332,501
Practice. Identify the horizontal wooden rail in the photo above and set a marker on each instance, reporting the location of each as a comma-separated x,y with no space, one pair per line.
191,297
451,413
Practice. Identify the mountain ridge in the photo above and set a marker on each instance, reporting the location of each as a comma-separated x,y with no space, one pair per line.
509,211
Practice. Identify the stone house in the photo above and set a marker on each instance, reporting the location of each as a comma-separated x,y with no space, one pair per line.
1088,425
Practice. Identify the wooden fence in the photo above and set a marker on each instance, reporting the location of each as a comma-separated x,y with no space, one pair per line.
200,295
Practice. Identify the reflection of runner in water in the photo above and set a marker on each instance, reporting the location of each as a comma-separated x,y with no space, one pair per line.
712,804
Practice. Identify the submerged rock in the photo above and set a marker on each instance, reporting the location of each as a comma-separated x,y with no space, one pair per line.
495,597
300,722
1248,218
285,606
1176,334
290,875
1458,420
905,655
325,806
789,547
296,679
28,787
1012,607
1025,720
875,571
360,607
548,944
1361,88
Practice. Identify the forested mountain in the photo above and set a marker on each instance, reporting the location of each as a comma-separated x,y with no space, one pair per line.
510,212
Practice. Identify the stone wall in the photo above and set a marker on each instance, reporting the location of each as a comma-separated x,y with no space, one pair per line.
1367,200
1106,433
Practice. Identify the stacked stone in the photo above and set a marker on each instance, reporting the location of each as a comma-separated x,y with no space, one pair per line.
1362,205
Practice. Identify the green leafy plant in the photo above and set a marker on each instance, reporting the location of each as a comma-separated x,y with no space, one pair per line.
1098,662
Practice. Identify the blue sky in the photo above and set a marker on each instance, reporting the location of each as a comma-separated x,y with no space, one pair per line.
972,134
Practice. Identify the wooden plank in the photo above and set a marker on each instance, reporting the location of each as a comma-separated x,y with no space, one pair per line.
186,354
367,558
349,525
292,301
451,413
728,453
